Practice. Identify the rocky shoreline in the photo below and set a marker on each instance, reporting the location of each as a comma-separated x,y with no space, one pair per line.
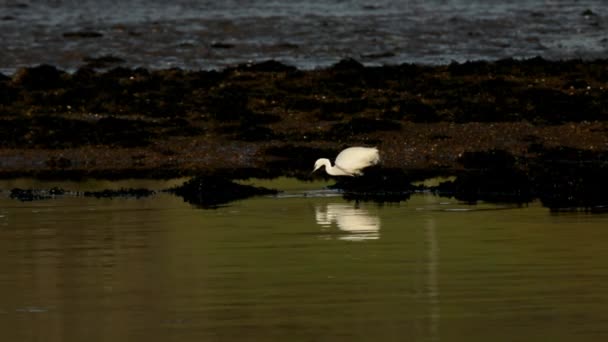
533,128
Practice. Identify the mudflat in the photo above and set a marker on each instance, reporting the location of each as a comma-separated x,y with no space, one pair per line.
268,119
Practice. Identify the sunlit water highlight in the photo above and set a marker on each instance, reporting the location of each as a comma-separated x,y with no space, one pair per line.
299,267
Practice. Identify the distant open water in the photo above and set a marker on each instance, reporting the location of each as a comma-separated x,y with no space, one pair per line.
308,34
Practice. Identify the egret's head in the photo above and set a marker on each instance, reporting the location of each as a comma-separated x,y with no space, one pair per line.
318,164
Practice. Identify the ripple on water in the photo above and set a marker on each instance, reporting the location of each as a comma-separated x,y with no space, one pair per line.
159,34
33,309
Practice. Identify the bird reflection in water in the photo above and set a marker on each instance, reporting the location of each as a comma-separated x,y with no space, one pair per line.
354,223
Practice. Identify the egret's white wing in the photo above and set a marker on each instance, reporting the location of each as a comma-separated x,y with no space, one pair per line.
353,159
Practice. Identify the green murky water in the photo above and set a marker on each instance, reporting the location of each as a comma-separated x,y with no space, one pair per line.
303,266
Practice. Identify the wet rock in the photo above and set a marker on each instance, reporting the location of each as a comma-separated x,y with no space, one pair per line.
255,133
42,77
379,55
553,106
563,179
8,94
302,102
28,195
228,103
491,185
58,162
567,178
84,76
371,7
25,195
41,131
412,110
576,83
220,45
249,131
82,34
377,184
358,126
123,192
240,123
347,64
122,132
246,173
213,191
588,13
287,45
492,176
345,77
199,79
103,61
55,191
469,68
349,105
267,66
180,127
58,132
488,160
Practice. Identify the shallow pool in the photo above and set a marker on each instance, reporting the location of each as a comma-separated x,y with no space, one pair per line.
302,266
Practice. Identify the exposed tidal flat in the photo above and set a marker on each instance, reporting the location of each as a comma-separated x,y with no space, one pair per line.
508,130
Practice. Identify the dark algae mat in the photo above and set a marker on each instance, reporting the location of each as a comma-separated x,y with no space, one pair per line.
507,130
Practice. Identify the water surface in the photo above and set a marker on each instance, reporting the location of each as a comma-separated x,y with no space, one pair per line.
308,34
302,266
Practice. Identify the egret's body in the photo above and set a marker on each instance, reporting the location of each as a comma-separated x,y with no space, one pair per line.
350,162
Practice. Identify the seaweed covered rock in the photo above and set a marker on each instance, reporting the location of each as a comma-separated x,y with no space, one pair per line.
42,77
213,191
273,118
561,178
567,178
490,176
28,195
123,192
378,185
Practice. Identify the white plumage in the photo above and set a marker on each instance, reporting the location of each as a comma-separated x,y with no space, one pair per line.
350,162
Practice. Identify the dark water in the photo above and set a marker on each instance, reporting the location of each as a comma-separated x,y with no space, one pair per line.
308,34
304,266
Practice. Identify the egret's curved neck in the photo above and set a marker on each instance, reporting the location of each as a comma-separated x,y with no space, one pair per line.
332,170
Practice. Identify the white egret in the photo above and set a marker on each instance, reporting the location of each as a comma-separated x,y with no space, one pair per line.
350,162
